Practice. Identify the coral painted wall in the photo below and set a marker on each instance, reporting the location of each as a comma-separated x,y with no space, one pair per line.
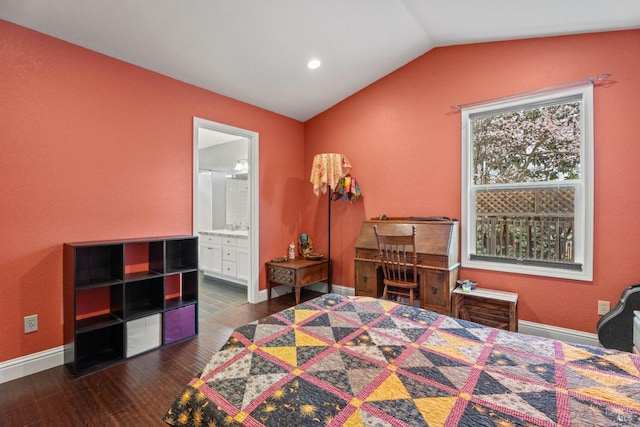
404,142
94,148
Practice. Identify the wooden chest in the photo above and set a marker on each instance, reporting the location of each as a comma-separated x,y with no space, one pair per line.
497,309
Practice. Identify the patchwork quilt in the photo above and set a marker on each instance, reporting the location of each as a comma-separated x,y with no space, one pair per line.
357,361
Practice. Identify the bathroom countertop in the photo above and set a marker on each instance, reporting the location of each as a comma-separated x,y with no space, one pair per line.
225,232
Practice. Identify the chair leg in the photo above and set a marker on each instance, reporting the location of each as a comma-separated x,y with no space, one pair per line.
411,297
384,293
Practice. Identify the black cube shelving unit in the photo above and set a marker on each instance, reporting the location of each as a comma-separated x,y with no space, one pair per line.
111,287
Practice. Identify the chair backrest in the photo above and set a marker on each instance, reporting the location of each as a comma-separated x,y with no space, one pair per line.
398,256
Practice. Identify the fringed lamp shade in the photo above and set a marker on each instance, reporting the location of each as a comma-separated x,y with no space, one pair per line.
327,170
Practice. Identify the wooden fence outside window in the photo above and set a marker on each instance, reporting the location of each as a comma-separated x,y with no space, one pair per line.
531,224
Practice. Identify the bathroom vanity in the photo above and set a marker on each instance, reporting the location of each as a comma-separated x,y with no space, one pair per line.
224,254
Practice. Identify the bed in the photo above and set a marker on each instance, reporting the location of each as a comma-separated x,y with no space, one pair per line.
353,361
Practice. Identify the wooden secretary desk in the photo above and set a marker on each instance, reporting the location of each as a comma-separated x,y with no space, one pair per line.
437,248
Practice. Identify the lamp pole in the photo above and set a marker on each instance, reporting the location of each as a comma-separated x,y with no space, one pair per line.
329,267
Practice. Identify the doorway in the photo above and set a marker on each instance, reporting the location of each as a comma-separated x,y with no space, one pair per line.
232,164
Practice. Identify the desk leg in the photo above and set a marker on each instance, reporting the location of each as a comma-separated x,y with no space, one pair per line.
297,295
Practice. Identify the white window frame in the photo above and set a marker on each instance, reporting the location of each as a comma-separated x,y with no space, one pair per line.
583,238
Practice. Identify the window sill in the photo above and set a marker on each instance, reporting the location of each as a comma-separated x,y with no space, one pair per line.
585,275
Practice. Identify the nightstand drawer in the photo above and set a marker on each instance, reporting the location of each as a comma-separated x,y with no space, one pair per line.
284,276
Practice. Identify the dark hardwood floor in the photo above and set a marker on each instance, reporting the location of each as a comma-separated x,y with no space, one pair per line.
136,392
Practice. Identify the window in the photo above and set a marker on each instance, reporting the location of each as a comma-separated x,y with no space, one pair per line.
527,185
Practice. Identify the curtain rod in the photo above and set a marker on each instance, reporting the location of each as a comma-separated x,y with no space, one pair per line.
576,83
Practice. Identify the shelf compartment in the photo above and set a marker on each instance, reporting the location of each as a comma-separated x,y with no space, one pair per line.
181,289
94,305
180,323
97,322
143,259
143,297
190,285
172,286
98,348
181,254
94,265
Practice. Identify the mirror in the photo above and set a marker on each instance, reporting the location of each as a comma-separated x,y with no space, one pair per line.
222,181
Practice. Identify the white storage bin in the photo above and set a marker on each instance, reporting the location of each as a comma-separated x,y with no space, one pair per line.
143,334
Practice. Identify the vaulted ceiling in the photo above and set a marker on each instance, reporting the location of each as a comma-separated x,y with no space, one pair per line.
257,51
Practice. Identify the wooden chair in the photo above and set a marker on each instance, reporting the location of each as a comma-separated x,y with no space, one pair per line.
399,265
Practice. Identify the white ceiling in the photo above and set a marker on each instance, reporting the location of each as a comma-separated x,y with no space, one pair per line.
256,50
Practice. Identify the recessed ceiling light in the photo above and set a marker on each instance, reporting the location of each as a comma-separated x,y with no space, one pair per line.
313,64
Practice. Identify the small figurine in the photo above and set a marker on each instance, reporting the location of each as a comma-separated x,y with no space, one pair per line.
292,250
305,245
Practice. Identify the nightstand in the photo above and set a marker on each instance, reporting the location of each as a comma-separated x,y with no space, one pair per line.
298,272
497,309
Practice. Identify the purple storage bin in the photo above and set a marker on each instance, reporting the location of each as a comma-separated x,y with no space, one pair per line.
179,323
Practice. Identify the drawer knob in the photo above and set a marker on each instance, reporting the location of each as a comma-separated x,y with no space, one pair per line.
434,290
364,279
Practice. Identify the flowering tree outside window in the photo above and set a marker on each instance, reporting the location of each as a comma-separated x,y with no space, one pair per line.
536,144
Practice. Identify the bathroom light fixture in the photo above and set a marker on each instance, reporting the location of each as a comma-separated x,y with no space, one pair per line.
313,64
242,166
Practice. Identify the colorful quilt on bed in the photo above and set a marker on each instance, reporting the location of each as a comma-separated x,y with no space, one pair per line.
357,361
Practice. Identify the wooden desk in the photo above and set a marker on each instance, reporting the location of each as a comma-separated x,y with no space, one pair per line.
437,250
298,272
488,307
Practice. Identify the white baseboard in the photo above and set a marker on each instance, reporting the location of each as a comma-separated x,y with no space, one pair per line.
30,364
318,287
336,289
558,333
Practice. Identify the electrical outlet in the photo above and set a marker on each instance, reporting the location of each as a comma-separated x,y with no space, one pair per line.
603,307
30,323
